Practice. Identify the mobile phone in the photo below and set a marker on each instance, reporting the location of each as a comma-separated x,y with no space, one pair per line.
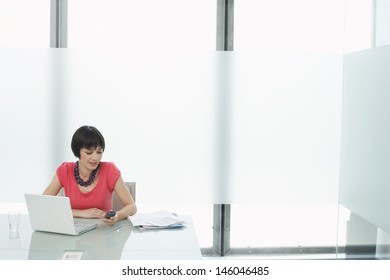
110,214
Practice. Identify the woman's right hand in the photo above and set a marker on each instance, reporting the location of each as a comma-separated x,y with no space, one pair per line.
88,213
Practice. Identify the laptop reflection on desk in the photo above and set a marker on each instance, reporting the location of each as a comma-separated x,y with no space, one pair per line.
54,214
105,243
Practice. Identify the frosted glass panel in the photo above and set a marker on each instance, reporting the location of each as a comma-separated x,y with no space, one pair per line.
206,127
26,115
156,111
24,23
365,157
286,121
146,24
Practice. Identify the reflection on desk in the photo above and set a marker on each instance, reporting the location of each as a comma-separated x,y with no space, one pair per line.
121,241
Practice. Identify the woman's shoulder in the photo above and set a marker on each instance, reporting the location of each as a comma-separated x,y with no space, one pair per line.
109,171
107,165
65,167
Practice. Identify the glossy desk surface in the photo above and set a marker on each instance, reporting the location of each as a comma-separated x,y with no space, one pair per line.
122,241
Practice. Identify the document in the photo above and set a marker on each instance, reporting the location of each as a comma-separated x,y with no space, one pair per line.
156,220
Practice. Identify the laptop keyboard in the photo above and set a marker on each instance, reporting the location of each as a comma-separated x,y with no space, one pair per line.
81,228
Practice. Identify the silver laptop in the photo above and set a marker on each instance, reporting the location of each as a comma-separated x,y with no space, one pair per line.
54,214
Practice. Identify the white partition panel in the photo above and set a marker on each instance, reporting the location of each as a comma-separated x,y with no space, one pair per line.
365,157
381,20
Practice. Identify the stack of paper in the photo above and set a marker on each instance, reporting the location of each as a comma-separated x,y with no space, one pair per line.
156,220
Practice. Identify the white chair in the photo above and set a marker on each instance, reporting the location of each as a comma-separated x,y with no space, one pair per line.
116,203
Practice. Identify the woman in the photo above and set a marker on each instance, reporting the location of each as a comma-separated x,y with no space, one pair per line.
88,182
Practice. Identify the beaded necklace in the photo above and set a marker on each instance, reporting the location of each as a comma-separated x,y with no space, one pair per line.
80,181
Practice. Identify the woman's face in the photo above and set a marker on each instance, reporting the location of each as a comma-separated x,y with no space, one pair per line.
90,158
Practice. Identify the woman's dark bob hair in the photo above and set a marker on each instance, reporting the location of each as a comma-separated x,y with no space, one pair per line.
87,137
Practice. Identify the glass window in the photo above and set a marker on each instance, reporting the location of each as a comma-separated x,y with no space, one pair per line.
284,225
358,25
381,16
286,125
146,24
299,25
25,23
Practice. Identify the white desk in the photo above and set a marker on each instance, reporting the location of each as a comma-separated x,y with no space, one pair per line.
104,242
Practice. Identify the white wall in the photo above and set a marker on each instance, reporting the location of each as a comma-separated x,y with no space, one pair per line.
365,157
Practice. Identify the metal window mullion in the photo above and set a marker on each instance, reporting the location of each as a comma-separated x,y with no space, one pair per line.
221,222
58,39
225,25
58,23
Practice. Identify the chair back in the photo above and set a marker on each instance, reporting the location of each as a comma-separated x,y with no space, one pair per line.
116,203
